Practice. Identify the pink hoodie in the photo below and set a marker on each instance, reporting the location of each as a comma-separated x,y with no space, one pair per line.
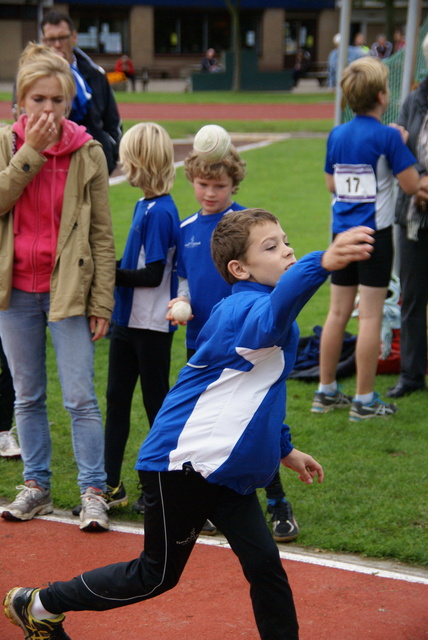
37,214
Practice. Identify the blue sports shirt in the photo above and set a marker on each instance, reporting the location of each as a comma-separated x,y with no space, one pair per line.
225,414
364,155
206,285
152,237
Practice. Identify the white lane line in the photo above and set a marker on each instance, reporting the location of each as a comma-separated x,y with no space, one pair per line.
219,541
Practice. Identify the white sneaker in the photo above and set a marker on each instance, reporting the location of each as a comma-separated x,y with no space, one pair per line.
93,516
31,501
9,447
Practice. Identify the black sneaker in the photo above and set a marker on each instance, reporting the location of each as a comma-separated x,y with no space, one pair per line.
17,606
138,505
377,408
284,525
209,529
324,402
115,497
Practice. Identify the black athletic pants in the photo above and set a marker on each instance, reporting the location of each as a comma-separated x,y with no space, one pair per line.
414,290
177,505
7,393
134,353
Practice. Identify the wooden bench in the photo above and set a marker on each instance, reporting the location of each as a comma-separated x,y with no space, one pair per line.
318,71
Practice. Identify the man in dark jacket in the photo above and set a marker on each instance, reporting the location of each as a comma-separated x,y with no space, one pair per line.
411,216
95,106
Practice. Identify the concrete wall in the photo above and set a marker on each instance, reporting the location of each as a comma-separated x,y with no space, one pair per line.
141,29
272,58
328,26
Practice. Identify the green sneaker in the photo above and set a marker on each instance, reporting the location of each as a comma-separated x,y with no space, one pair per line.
17,607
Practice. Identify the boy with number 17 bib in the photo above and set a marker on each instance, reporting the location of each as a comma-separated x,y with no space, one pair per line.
363,156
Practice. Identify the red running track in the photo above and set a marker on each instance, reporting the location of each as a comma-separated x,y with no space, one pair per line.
211,600
214,112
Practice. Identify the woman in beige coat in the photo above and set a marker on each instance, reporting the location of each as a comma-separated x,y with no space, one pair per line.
57,269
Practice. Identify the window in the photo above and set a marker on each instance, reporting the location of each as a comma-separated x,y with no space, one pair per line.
192,32
108,33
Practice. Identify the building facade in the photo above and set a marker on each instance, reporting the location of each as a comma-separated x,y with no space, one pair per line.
169,37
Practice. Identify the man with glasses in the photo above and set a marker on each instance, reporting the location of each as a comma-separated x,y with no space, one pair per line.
95,106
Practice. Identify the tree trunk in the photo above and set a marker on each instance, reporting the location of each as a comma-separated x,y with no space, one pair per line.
389,20
233,7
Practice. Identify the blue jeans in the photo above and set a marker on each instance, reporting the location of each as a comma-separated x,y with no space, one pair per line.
23,334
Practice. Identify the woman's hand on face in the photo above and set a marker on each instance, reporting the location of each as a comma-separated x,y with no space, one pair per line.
41,133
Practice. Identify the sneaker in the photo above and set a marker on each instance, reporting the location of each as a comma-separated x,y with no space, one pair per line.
17,607
93,515
284,525
324,402
209,529
375,409
31,501
138,505
9,447
114,496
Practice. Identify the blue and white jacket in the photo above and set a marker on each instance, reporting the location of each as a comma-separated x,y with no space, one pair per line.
225,414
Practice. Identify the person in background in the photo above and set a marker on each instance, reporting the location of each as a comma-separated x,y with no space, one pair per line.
219,434
301,65
97,109
360,45
9,448
382,48
209,62
214,185
57,271
411,216
399,40
141,338
353,54
362,161
126,66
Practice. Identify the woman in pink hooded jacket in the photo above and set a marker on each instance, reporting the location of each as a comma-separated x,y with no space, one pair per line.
57,270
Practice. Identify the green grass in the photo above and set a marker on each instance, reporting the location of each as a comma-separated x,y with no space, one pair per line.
225,97
373,500
182,128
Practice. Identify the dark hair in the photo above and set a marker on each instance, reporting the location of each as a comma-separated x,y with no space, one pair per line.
55,17
230,238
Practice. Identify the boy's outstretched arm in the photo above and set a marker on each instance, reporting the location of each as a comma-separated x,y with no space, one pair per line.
304,465
353,245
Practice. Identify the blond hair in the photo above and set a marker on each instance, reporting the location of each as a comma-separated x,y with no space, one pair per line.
362,81
146,154
197,166
230,238
37,62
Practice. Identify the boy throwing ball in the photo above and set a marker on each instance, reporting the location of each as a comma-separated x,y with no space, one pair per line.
217,436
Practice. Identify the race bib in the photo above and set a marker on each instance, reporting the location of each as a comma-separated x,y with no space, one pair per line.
354,183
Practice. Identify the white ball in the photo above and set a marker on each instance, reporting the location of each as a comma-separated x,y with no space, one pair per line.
213,142
181,311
